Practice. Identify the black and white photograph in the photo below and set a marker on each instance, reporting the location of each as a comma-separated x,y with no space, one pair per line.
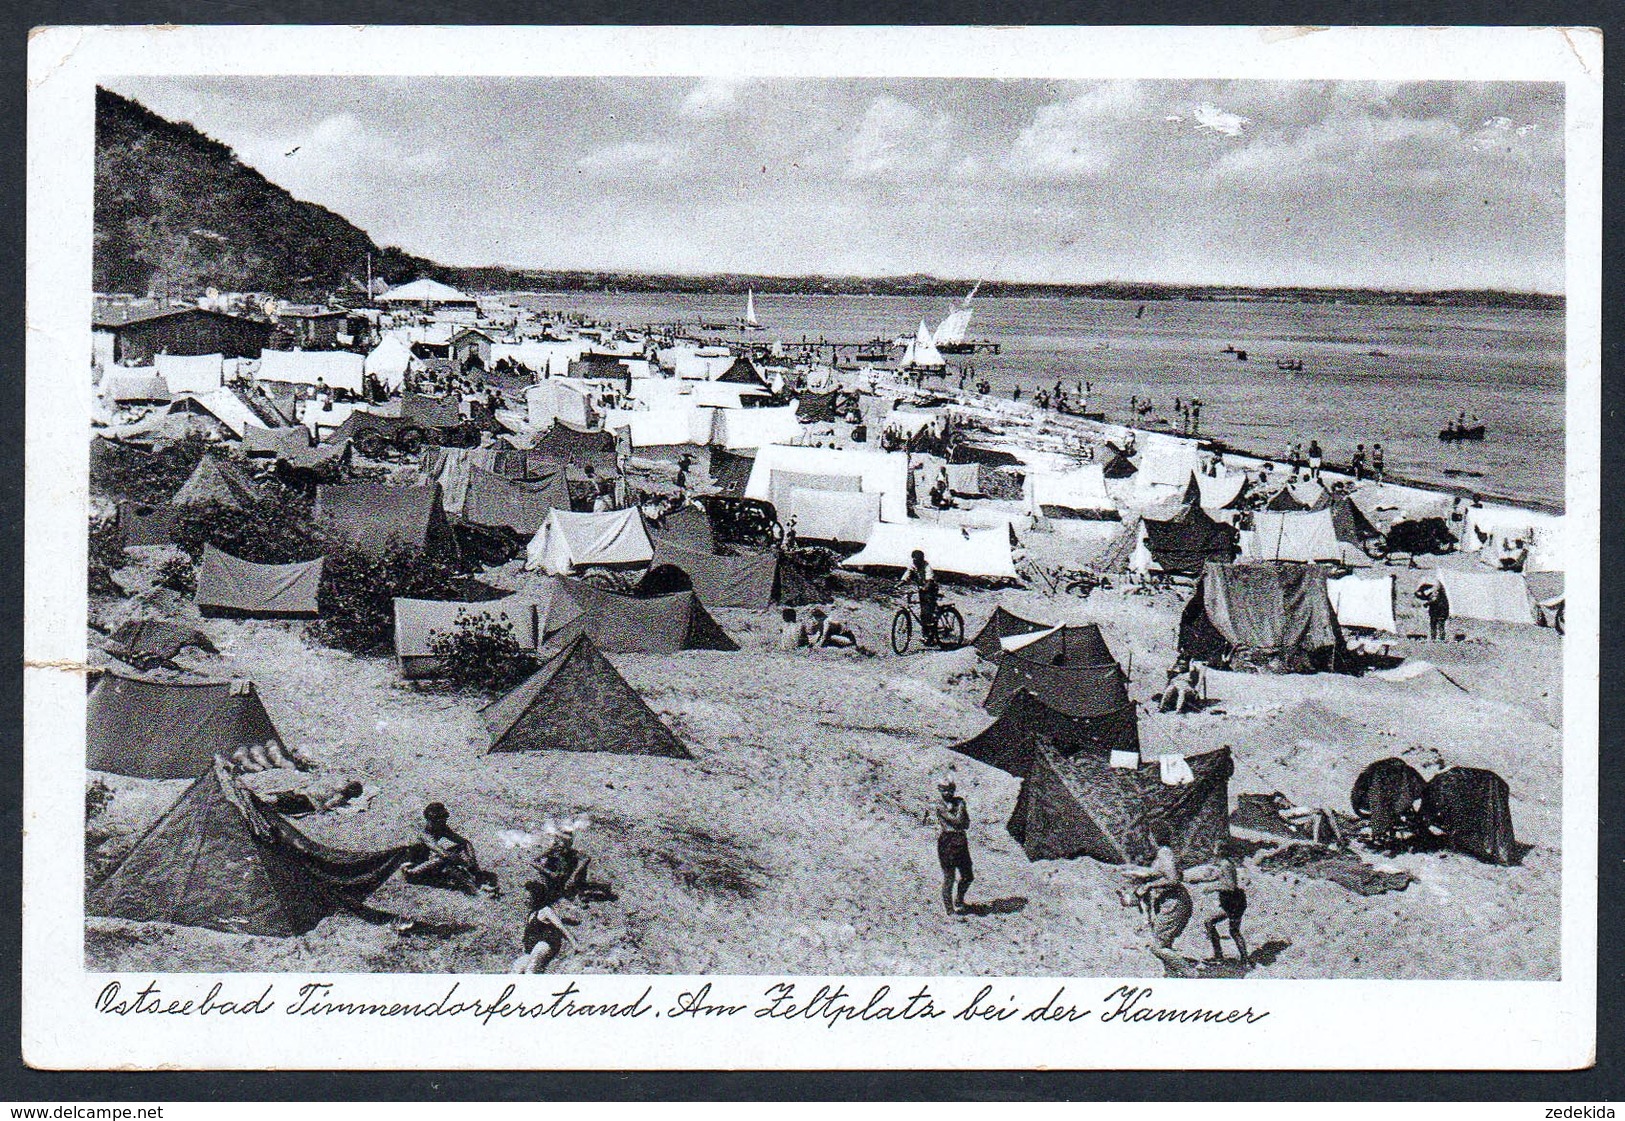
801,525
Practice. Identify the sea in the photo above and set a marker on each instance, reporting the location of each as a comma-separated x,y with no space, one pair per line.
1393,375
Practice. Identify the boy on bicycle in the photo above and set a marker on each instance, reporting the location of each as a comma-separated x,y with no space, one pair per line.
924,577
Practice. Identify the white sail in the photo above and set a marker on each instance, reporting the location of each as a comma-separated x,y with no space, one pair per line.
953,326
750,308
922,352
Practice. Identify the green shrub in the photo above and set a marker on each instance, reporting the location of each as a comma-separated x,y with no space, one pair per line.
358,591
178,574
133,474
482,655
106,554
277,529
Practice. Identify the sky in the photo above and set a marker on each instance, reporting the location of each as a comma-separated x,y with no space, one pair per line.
1413,185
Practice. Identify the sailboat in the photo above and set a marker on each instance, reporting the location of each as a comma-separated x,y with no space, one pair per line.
750,322
950,336
922,352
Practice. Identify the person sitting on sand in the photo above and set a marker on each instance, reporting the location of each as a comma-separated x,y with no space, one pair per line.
1224,883
793,635
545,935
953,846
1185,687
294,803
443,855
830,631
563,867
940,499
1166,899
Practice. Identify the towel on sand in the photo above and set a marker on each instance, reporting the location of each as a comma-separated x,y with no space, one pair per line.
1331,864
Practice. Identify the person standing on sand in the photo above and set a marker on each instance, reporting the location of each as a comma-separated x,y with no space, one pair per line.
1015,394
1225,885
1167,901
1432,594
1358,463
953,847
1314,460
1376,463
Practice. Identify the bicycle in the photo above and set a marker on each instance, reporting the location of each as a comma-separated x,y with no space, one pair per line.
950,629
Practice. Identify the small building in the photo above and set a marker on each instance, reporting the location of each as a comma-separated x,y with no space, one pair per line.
314,327
138,335
470,345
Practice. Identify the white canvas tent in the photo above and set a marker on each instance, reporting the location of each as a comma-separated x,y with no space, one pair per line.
848,516
1360,601
882,473
1079,492
225,406
568,541
742,429
190,373
981,553
1166,462
337,369
1501,597
549,357
1304,536
427,292
389,361
1219,491
662,427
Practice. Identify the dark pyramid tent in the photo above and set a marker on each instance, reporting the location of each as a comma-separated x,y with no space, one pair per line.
1387,792
578,447
1185,542
145,525
430,412
144,641
169,729
1350,524
688,527
989,457
817,408
730,472
746,580
1075,644
230,586
577,701
220,481
742,372
1080,805
371,515
1000,625
1284,501
278,443
619,624
1089,692
222,860
1008,742
1119,466
494,501
1474,809
1266,616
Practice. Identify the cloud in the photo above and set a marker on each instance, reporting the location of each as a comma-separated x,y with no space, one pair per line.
895,138
1214,119
1081,138
712,97
631,156
337,145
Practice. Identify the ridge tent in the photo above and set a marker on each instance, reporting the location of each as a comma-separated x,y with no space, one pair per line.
230,586
840,517
371,515
687,527
782,482
1474,809
1078,690
223,405
730,472
155,640
1065,644
1284,501
430,412
1308,535
620,624
388,362
1009,742
1350,524
568,541
1120,466
190,373
219,481
1221,492
983,554
1499,597
1183,543
170,729
276,442
1409,520
220,859
1166,465
419,621
145,525
738,429
129,386
578,447
746,580
1003,624
578,701
663,427
494,501
1360,601
1080,493
1080,805
1266,616
986,457
1311,494
817,408
337,369
965,480
882,473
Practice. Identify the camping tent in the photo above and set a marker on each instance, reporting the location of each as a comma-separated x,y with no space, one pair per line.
882,473
145,525
426,292
1298,536
1087,683
578,447
1000,625
1221,492
170,729
840,517
419,621
139,641
219,859
738,429
1265,616
984,553
1080,493
1183,543
492,500
128,386
1474,809
817,408
783,481
371,515
568,541
687,527
1064,644
337,369
620,624
746,580
227,585
219,481
388,362
1081,805
276,442
1501,597
1166,466
1360,601
190,373
577,701
1350,524
1009,741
